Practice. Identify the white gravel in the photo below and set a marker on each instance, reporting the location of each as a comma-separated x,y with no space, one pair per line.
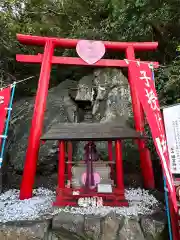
40,206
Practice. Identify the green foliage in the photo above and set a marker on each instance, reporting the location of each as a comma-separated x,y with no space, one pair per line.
119,20
167,82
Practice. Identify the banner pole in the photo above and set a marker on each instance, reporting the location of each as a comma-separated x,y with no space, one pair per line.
7,124
167,209
165,186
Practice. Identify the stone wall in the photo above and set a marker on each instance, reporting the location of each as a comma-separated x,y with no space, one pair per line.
68,226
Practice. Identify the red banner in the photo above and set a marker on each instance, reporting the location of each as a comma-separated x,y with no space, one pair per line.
146,91
5,95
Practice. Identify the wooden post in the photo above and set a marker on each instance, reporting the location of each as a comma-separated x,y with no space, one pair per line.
119,166
70,153
110,155
61,165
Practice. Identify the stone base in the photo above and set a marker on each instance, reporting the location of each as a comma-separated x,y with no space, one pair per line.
68,226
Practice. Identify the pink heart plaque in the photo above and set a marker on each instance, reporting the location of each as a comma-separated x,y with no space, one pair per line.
97,179
90,51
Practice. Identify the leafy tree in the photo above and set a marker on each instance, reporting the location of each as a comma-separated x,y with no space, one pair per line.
117,20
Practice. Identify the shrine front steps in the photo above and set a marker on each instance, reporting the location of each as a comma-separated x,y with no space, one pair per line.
74,203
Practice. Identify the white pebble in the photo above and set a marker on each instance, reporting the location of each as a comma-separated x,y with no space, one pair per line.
12,209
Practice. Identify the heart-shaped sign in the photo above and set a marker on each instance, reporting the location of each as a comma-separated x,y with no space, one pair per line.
97,179
90,51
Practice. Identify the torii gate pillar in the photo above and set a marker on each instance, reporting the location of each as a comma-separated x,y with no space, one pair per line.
46,60
37,123
145,157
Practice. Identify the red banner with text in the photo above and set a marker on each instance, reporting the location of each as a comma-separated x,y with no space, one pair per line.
146,91
5,95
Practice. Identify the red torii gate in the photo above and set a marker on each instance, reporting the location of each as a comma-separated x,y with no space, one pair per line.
46,60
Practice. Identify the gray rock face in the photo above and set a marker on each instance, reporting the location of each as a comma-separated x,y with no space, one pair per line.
68,221
60,108
68,226
131,230
110,227
106,90
113,95
153,226
24,230
92,226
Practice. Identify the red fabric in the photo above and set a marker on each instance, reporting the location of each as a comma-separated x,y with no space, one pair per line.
146,91
5,95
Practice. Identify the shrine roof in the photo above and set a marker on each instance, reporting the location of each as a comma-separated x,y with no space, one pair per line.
90,131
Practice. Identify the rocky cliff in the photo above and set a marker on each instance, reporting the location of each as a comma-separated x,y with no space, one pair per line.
105,90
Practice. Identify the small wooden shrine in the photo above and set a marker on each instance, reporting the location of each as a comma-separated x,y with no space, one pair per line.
91,181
